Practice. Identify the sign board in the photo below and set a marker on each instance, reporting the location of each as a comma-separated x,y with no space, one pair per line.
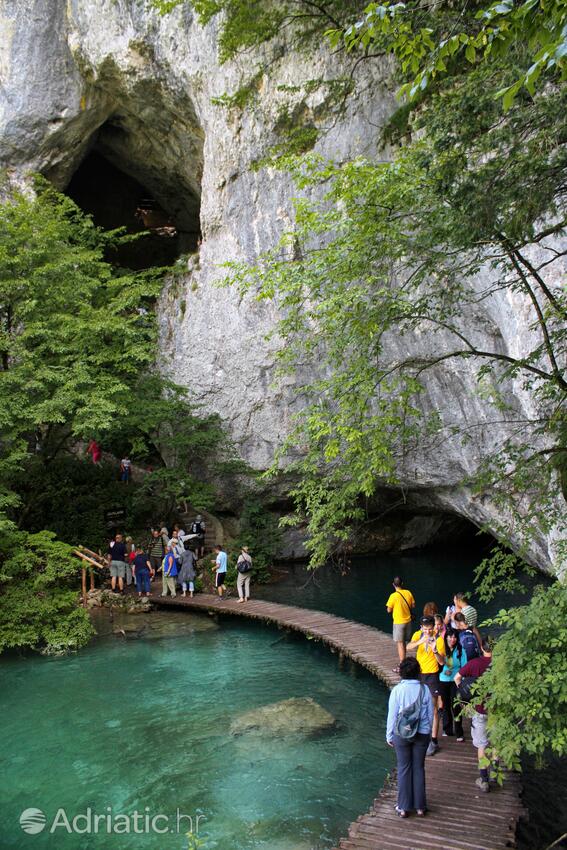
114,516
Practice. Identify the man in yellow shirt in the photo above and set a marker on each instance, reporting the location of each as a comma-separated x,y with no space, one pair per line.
431,657
400,605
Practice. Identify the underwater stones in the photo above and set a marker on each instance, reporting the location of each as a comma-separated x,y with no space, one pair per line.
299,716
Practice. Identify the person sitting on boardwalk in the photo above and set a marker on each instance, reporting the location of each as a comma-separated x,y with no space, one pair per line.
474,669
187,572
244,567
142,569
431,657
169,572
400,605
455,658
220,565
410,694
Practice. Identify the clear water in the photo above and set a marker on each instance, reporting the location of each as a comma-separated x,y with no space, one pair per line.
130,724
361,592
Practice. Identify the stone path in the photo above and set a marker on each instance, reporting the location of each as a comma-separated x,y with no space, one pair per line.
460,817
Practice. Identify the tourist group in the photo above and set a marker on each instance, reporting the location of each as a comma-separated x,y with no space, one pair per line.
450,655
175,556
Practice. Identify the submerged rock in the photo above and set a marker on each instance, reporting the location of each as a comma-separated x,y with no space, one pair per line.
300,716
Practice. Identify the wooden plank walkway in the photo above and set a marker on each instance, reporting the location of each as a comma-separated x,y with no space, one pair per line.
460,817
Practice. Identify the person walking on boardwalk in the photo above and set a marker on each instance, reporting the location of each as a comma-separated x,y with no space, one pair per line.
470,614
142,570
455,658
117,559
244,568
400,605
156,550
220,565
430,657
169,572
467,638
198,527
408,730
187,572
474,670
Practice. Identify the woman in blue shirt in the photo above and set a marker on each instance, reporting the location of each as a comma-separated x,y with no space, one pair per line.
455,658
410,752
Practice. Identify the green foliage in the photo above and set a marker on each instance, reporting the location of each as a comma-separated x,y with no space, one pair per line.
38,597
489,188
429,44
77,349
526,686
259,530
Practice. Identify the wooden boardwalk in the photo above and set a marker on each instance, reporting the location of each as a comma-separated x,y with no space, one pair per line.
460,817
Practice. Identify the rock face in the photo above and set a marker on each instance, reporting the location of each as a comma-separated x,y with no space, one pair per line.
300,716
115,77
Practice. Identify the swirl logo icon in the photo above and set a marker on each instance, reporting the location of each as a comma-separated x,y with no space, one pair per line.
32,821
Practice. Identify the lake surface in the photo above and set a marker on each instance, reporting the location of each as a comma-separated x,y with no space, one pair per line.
361,592
143,725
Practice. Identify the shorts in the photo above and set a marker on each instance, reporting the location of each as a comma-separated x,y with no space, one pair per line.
402,631
118,569
432,682
479,734
220,579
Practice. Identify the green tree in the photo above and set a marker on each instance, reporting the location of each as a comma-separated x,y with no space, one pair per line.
77,349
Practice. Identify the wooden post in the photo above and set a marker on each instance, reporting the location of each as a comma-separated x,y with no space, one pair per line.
92,578
84,585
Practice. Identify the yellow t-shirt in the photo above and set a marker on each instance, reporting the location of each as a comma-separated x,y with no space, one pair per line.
426,658
400,611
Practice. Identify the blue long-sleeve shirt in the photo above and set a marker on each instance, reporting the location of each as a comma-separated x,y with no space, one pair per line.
403,694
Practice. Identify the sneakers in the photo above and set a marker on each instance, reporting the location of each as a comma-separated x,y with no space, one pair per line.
482,784
460,740
432,748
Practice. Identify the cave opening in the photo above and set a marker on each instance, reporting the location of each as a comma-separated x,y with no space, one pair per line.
119,187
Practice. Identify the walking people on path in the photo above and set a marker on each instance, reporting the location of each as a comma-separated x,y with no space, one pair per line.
467,638
455,658
431,658
187,571
244,568
220,566
198,527
117,559
143,571
410,710
130,555
95,451
474,670
156,550
125,469
176,545
169,568
400,605
470,614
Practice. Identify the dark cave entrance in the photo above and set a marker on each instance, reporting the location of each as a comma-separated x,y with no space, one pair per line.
116,199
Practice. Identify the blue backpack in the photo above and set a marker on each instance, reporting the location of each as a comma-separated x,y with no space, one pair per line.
407,721
470,645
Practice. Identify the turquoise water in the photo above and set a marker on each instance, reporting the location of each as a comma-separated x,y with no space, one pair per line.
143,725
361,592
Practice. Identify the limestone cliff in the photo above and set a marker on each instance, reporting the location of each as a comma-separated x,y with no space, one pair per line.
114,76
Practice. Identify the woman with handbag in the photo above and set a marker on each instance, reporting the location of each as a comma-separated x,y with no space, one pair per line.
244,568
